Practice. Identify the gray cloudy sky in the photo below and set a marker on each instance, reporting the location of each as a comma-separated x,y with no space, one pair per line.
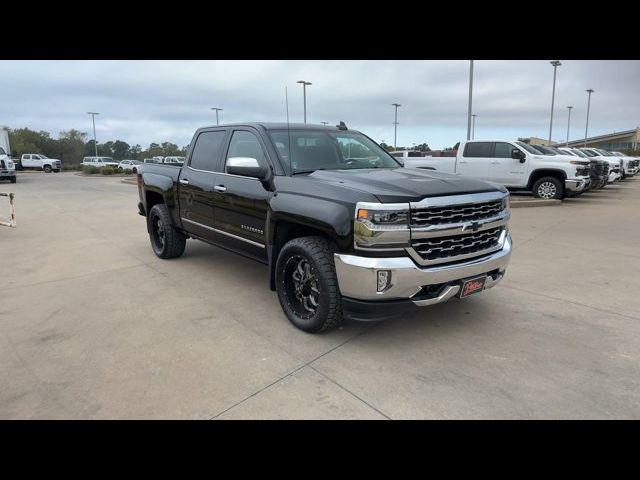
154,101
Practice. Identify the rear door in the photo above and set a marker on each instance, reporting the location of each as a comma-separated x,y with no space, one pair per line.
196,184
241,202
506,170
26,161
475,161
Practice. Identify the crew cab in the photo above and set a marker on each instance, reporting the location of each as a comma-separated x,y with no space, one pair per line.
342,236
515,165
35,161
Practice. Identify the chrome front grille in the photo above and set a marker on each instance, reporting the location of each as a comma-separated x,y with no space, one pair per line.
457,245
423,217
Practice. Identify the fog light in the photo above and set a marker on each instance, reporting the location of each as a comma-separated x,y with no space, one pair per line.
384,279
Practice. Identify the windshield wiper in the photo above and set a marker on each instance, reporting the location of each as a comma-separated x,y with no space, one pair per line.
311,170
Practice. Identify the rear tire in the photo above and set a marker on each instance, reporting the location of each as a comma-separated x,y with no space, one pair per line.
166,241
307,284
548,188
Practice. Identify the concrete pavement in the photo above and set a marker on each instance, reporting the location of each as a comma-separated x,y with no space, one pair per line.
93,325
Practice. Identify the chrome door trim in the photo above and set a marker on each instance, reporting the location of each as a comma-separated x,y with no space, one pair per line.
255,244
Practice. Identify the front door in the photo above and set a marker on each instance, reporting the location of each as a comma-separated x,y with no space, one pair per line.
196,182
475,161
241,202
506,170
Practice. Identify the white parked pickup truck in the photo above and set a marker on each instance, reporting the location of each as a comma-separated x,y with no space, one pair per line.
515,165
631,164
615,163
35,161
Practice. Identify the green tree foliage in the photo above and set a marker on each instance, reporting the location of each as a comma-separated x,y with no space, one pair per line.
120,150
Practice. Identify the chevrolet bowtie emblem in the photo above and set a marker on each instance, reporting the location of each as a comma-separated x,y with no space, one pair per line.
473,226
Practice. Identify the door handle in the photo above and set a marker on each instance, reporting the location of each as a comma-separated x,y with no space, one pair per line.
220,188
495,163
184,181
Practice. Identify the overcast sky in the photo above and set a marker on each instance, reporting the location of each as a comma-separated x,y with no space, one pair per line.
155,101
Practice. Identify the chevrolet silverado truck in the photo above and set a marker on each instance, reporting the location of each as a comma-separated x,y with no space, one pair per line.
515,165
344,230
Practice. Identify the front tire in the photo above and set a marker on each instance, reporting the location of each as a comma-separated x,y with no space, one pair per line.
47,168
548,188
14,179
307,284
166,241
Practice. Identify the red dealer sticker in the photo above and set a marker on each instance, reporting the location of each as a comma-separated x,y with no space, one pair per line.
473,285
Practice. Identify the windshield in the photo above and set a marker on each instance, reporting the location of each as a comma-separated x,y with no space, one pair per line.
589,153
605,153
329,150
545,150
579,153
528,148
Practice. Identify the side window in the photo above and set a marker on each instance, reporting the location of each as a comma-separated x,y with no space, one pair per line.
245,144
477,150
2,152
415,154
503,150
206,151
398,154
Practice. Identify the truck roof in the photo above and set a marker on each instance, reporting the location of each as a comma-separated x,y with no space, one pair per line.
281,126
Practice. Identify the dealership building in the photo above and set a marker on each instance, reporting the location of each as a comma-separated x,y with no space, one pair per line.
629,139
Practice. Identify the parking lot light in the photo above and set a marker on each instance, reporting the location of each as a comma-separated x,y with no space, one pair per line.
395,126
586,128
555,64
95,142
217,110
568,124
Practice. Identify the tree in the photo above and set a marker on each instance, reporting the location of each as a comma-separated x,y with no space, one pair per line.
25,140
70,146
120,150
456,146
424,147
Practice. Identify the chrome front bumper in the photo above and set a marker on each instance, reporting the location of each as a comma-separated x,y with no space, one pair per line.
576,184
357,276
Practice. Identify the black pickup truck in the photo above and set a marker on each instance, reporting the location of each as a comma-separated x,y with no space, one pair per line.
344,229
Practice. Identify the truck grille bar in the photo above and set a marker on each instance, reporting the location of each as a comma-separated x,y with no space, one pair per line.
456,228
455,214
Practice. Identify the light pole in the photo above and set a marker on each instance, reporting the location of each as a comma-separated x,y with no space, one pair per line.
324,123
395,126
304,96
470,98
586,129
555,64
568,125
473,126
93,118
217,110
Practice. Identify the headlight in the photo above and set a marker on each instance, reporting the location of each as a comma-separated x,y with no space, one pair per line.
383,219
505,202
381,226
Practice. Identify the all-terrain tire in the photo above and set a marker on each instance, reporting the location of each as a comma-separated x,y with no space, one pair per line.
166,241
316,252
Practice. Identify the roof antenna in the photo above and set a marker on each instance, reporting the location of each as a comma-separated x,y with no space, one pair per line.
286,100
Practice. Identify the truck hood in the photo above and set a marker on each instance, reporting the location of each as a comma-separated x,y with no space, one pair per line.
391,185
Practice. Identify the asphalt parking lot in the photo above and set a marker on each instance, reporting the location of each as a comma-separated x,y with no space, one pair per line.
93,325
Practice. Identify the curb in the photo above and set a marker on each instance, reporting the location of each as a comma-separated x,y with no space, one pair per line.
129,181
533,203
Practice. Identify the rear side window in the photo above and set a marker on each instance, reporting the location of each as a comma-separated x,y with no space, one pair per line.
206,151
477,150
503,150
415,154
2,152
